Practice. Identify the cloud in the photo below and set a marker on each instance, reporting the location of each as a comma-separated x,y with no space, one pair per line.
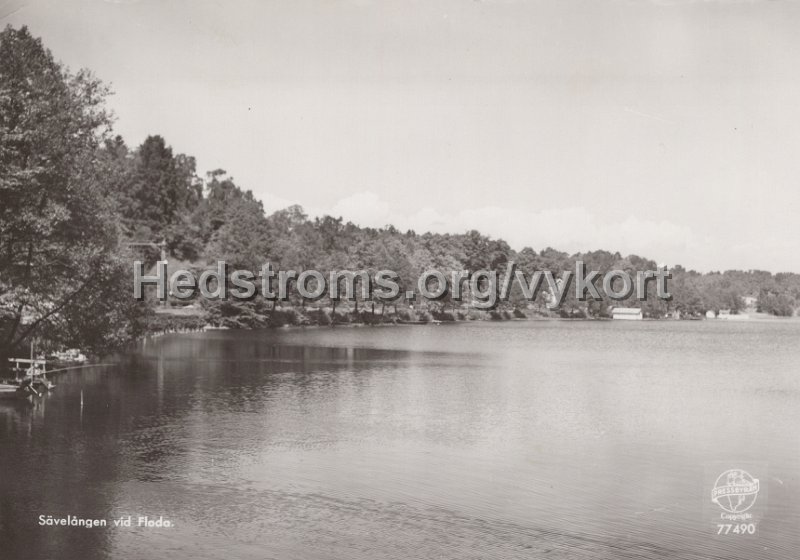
364,208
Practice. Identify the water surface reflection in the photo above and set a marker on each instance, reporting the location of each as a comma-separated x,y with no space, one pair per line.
574,440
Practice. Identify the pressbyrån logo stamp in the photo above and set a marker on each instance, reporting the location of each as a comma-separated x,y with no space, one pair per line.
735,491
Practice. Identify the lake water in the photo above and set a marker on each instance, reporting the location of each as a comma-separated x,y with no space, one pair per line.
548,439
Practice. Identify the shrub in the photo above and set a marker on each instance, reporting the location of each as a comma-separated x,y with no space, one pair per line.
368,318
167,323
571,314
425,316
406,315
475,315
519,313
444,316
288,316
321,317
340,317
540,313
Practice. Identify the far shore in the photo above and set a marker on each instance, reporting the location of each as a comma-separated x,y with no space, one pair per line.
183,320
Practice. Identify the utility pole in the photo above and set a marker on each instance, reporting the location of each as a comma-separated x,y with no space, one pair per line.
163,247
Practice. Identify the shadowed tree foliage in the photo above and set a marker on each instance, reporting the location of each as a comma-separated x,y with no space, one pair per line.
58,224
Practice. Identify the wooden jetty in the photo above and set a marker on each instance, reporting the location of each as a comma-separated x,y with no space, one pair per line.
30,373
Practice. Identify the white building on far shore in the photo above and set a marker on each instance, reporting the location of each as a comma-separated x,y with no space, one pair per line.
627,313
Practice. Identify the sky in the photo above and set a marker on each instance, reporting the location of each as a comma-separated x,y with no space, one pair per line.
664,128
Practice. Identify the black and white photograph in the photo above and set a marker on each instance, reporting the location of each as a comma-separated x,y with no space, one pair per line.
399,279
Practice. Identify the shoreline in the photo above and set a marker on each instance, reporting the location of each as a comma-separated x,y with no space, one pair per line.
209,327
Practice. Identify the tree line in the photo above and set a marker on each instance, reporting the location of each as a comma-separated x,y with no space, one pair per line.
73,196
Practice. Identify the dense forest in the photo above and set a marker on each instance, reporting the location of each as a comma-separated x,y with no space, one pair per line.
74,196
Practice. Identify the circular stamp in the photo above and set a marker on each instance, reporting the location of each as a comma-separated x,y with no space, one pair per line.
735,491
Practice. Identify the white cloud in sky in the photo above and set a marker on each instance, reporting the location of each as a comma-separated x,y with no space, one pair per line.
363,208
